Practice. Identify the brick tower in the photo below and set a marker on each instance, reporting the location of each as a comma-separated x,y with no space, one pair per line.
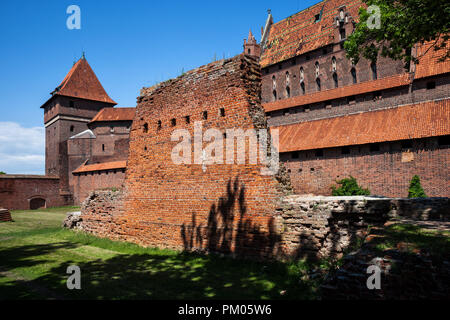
74,103
251,46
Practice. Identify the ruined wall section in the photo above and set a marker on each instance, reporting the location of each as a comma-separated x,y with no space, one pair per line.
218,207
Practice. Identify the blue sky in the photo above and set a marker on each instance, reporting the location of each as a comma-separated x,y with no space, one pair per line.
129,44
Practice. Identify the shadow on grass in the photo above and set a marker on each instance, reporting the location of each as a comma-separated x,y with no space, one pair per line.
154,276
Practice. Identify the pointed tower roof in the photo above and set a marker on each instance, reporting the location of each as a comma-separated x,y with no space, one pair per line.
81,82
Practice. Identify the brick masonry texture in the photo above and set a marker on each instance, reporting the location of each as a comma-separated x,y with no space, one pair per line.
302,227
228,208
5,215
28,192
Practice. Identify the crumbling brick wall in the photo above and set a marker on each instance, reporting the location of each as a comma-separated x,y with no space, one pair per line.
223,207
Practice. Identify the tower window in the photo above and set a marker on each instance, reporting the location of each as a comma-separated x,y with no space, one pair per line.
373,67
274,93
222,112
317,17
302,85
335,80
71,128
173,122
318,84
288,92
187,119
342,33
353,72
145,127
205,115
103,147
159,124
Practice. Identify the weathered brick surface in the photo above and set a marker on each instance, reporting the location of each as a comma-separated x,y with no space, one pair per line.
227,208
386,172
22,192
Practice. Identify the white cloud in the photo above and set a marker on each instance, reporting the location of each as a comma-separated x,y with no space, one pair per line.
22,150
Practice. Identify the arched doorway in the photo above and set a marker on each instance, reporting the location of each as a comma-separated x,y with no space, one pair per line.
37,203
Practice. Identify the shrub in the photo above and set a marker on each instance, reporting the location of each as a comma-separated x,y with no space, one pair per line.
349,187
1,172
415,188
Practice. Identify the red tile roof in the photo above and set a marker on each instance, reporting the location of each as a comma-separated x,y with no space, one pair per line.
429,64
81,82
420,120
101,166
115,114
342,92
300,33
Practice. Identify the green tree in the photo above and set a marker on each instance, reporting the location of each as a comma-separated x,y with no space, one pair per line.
1,172
415,188
349,187
403,23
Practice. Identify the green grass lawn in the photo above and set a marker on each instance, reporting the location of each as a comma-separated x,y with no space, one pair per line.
35,253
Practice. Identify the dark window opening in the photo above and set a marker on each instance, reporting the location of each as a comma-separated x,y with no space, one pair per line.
205,115
373,67
319,153
159,124
187,119
295,155
288,92
353,72
71,128
318,84
335,79
173,122
342,33
37,203
103,147
248,51
345,150
431,85
317,17
312,169
300,170
222,112
145,127
302,85
274,93
444,140
145,148
374,147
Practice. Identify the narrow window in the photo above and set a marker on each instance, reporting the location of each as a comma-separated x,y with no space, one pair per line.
145,127
222,112
342,33
302,85
274,93
173,122
187,119
318,84
274,83
353,72
159,124
103,147
333,64
317,18
288,92
317,69
205,115
373,67
71,128
335,79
